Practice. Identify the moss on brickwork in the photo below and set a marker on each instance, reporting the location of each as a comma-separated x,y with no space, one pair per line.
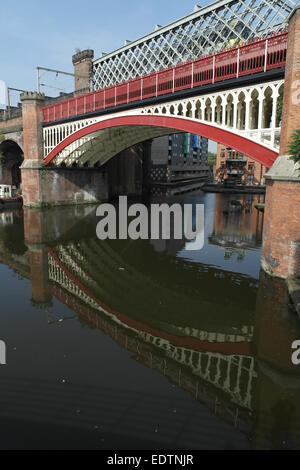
294,146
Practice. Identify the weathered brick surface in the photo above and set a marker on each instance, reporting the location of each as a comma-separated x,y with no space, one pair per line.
281,228
49,186
13,130
6,126
291,100
122,175
32,108
82,62
60,186
31,187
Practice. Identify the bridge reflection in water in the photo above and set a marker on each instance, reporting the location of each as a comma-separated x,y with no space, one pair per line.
223,337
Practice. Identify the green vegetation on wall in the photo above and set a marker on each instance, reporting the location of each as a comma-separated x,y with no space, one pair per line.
294,146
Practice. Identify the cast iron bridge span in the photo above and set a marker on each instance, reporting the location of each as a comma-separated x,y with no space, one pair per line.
231,96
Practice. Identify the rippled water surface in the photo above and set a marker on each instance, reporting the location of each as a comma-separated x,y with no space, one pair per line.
123,344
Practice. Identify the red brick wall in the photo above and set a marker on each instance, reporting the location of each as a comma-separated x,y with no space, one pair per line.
82,62
6,125
32,128
63,186
122,175
31,189
291,99
281,226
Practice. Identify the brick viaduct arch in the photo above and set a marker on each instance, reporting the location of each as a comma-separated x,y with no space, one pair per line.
11,160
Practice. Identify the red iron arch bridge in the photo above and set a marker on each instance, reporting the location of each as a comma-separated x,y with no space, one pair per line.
232,97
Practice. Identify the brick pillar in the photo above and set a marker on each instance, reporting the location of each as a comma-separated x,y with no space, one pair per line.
282,222
32,106
280,255
291,98
83,66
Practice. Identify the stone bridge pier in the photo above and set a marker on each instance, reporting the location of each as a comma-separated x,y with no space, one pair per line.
43,186
281,237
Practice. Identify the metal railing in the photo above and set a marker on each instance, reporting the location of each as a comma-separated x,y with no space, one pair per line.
259,55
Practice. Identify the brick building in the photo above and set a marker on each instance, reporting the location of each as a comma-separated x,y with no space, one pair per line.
178,157
234,167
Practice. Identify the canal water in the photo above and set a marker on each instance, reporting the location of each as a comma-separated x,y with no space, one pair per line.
144,344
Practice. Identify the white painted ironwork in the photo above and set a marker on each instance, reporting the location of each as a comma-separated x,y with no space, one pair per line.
214,27
226,372
251,112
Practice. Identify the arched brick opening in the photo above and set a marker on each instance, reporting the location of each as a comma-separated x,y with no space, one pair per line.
11,159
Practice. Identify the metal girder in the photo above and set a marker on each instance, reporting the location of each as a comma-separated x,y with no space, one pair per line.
211,28
103,145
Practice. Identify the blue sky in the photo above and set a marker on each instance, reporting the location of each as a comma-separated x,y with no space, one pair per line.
46,33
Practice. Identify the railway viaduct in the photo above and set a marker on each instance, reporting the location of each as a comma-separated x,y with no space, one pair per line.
230,97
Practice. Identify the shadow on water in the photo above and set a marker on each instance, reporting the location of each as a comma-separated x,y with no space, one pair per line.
162,348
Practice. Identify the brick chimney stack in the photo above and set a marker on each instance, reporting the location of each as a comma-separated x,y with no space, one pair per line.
83,66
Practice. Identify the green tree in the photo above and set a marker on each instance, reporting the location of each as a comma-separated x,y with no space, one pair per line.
294,146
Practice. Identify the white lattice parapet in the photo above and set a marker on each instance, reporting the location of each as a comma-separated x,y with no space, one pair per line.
251,112
214,27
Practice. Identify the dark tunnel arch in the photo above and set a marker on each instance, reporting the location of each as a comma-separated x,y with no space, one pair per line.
11,158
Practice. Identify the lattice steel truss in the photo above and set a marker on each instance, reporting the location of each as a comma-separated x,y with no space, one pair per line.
214,27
